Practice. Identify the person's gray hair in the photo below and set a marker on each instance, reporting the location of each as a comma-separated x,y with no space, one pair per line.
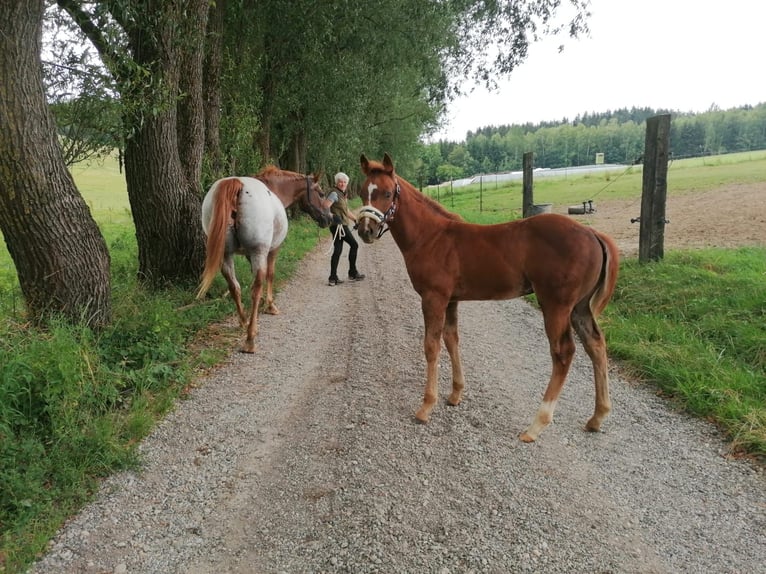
340,176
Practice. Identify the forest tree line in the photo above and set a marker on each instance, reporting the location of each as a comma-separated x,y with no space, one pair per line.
619,135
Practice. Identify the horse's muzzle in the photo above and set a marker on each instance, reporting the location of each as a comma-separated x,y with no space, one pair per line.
370,223
365,232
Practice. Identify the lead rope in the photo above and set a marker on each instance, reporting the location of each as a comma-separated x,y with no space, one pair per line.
339,233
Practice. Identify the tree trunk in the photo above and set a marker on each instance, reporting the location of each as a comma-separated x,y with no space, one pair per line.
268,88
213,69
166,212
60,255
191,109
295,156
164,197
165,200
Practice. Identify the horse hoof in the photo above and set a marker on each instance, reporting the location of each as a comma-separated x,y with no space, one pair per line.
249,348
272,311
526,437
454,400
593,426
421,417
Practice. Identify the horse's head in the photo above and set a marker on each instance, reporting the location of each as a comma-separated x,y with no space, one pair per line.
314,202
380,192
291,187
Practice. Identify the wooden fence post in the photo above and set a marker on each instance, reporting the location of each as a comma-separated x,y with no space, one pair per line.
481,193
527,200
651,238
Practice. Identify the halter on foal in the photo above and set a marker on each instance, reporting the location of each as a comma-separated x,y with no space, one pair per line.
246,215
571,268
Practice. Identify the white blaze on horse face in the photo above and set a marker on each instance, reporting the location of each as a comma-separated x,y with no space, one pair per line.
370,190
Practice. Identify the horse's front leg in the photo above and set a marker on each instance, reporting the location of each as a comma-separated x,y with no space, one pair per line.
451,341
259,274
271,308
433,315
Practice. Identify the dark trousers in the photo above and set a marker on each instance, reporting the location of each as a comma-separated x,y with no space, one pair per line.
337,249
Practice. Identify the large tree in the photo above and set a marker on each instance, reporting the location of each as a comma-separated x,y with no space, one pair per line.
154,52
60,255
334,78
302,83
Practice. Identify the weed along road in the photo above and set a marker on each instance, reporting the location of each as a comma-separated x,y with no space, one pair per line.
306,457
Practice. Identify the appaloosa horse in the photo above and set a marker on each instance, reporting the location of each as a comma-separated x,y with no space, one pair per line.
571,268
246,216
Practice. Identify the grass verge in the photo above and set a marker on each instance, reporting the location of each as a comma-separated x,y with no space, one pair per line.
74,405
694,325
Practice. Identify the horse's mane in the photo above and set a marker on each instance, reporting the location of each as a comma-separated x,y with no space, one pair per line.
376,167
274,171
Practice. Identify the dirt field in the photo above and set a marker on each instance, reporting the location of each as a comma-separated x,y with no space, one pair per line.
725,217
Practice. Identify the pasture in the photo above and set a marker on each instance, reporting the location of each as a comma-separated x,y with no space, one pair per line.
73,405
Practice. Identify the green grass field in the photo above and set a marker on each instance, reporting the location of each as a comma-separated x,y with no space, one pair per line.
492,202
74,404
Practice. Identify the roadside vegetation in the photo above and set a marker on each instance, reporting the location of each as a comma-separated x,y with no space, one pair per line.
694,325
74,403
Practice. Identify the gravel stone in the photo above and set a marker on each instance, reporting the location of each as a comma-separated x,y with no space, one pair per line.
306,457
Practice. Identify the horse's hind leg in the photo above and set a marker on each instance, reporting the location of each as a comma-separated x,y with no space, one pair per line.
451,341
592,339
259,274
562,349
227,270
271,308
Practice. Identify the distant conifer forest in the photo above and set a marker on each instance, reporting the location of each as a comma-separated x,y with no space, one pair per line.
618,135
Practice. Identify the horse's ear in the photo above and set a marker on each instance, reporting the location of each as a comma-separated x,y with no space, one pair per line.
365,164
388,163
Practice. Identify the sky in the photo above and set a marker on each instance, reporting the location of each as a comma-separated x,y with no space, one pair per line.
681,55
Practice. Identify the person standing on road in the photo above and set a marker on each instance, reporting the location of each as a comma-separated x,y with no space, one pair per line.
340,231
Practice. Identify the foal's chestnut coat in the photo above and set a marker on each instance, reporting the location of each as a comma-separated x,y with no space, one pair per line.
571,268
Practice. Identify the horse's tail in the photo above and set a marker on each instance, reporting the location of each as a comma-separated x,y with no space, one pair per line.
608,279
224,208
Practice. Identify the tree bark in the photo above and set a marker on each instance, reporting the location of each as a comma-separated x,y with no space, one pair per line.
166,213
191,108
164,198
165,202
61,257
213,69
294,158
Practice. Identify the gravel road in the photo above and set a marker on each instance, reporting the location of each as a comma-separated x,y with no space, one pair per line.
306,457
